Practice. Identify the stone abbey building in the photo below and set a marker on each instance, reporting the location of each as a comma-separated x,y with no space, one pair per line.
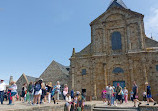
119,52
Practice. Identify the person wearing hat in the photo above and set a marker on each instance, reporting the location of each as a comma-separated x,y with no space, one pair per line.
2,89
149,96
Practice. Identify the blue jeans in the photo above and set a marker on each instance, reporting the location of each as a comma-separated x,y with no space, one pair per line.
9,97
2,96
112,100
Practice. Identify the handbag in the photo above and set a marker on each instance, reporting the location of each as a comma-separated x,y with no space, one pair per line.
136,97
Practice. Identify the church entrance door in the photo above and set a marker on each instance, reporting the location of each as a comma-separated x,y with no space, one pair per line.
122,83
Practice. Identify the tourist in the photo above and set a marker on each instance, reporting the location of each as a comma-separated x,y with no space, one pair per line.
23,92
80,101
118,93
149,96
144,96
13,89
58,91
72,93
75,102
131,95
43,96
49,90
68,101
31,92
123,98
38,92
109,93
103,95
2,90
125,94
135,95
65,90
113,96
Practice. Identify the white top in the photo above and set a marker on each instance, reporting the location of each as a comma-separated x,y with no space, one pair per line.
2,86
125,92
144,93
109,90
68,99
14,88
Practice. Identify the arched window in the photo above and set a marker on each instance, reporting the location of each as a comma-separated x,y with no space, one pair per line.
116,41
118,70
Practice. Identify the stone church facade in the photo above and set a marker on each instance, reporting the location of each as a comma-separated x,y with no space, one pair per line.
119,52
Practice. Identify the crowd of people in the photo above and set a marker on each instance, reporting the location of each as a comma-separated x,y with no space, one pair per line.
39,93
118,95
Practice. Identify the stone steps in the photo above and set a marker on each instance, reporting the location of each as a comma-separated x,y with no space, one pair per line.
114,109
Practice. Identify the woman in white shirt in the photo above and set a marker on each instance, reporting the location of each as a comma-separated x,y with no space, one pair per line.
68,102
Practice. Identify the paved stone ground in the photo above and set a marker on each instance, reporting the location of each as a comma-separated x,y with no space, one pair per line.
20,105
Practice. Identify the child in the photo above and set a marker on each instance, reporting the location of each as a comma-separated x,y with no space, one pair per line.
131,95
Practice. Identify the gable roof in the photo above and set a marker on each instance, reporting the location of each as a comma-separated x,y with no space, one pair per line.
117,3
64,69
30,78
150,42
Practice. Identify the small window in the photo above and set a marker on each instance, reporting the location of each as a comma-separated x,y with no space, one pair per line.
83,71
156,67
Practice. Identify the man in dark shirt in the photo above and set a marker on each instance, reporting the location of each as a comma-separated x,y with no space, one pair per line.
149,96
118,93
135,95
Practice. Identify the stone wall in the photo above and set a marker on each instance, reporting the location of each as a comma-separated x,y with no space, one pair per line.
53,73
99,60
22,80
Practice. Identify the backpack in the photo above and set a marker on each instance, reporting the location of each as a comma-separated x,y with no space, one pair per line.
37,87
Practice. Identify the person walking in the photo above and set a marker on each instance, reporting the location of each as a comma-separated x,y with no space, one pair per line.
49,90
38,92
103,95
58,91
109,93
125,94
66,89
135,95
118,93
144,96
31,92
131,95
23,92
13,89
149,96
113,96
2,90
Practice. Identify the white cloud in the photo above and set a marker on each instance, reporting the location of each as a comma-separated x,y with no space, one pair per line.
151,23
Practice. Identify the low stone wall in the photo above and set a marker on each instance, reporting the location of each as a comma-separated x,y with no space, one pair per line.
148,108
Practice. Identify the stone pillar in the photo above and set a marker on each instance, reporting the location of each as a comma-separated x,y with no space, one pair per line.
105,74
11,79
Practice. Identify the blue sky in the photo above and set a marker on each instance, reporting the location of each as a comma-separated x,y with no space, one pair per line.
35,32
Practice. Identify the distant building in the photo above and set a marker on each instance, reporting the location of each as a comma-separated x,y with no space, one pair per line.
119,52
22,80
56,72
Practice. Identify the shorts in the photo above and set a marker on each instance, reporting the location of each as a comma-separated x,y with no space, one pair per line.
149,96
67,104
38,92
119,97
108,97
13,93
